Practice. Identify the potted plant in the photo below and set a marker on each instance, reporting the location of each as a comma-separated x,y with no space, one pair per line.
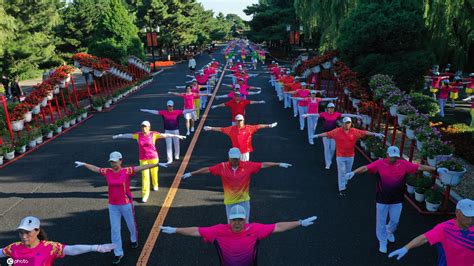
72,119
366,109
48,131
414,121
108,101
411,183
31,139
422,184
20,146
424,103
97,103
9,151
393,99
423,134
433,198
403,111
377,150
59,125
450,172
17,122
83,113
436,151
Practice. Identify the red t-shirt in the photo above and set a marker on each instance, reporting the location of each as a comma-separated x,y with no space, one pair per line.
241,137
345,141
237,108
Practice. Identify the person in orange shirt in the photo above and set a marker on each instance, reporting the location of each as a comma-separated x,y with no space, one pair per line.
241,135
346,138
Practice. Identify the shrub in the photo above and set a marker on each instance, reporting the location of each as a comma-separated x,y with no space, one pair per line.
425,104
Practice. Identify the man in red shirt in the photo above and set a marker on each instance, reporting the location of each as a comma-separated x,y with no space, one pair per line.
237,106
237,242
235,176
241,135
346,138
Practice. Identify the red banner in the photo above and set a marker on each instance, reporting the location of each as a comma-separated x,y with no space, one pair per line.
151,39
154,39
297,37
292,37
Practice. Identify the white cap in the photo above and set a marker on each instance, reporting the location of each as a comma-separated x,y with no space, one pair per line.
169,103
237,212
393,151
239,117
194,80
466,206
29,223
234,153
236,86
346,120
331,105
303,83
313,92
115,156
237,93
146,123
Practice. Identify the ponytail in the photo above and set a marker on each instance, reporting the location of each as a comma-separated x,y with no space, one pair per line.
42,235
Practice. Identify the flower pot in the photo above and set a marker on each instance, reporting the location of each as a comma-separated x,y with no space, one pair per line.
316,69
327,65
39,140
50,96
32,144
410,189
79,118
1,159
362,144
98,73
410,133
419,197
72,122
44,102
442,158
28,116
63,84
85,69
432,207
98,108
114,100
66,124
393,110
107,105
59,130
36,109
22,149
10,155
355,102
451,178
401,118
366,120
431,161
84,115
56,90
419,145
18,125
49,135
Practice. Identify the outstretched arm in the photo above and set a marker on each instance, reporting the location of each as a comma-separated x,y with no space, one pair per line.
285,226
351,115
154,112
272,164
416,242
91,167
298,98
223,96
272,125
208,128
306,115
123,136
167,135
186,231
328,99
74,250
256,102
203,170
218,105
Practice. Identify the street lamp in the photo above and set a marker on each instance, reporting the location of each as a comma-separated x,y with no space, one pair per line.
152,42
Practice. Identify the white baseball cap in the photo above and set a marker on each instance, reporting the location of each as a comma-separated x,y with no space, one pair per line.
237,212
146,123
303,83
346,120
237,93
194,80
236,86
393,151
331,105
115,156
466,206
239,117
313,92
29,223
234,153
169,103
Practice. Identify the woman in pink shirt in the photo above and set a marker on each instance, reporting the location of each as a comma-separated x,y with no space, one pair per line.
190,115
120,198
34,249
313,108
147,154
443,96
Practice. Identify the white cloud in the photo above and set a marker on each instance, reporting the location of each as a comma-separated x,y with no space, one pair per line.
228,6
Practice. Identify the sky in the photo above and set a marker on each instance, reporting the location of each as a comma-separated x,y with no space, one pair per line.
228,6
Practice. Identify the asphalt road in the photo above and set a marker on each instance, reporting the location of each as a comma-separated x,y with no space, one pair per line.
72,203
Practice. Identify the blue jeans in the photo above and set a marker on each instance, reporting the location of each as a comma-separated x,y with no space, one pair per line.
115,214
344,166
442,103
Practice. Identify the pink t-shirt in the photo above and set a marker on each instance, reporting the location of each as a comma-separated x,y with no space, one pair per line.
43,254
202,79
236,249
171,119
188,101
456,246
119,185
146,145
330,120
313,105
302,93
444,92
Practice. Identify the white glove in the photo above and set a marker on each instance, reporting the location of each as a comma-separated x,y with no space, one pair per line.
308,221
116,136
169,92
181,137
284,165
261,102
349,175
272,125
105,248
399,253
164,165
79,164
213,107
379,135
186,175
206,128
168,229
315,136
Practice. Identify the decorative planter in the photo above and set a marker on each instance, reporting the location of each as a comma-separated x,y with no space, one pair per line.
107,105
114,100
49,135
62,85
85,69
50,96
72,122
451,178
36,109
18,125
1,159
10,155
431,162
84,115
327,65
366,120
66,124
355,102
28,116
79,118
98,108
22,149
56,90
59,130
393,110
419,197
401,118
419,145
442,158
77,64
410,133
98,73
32,144
44,102
410,189
432,207
39,140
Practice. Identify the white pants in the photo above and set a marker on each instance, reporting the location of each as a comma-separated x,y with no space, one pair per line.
203,101
383,229
287,98
115,214
302,110
175,141
245,204
329,150
295,107
279,91
344,166
312,123
245,157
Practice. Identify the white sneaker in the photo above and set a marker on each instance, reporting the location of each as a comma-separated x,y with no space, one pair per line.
155,188
176,157
192,129
327,167
170,161
145,199
187,133
390,238
383,248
